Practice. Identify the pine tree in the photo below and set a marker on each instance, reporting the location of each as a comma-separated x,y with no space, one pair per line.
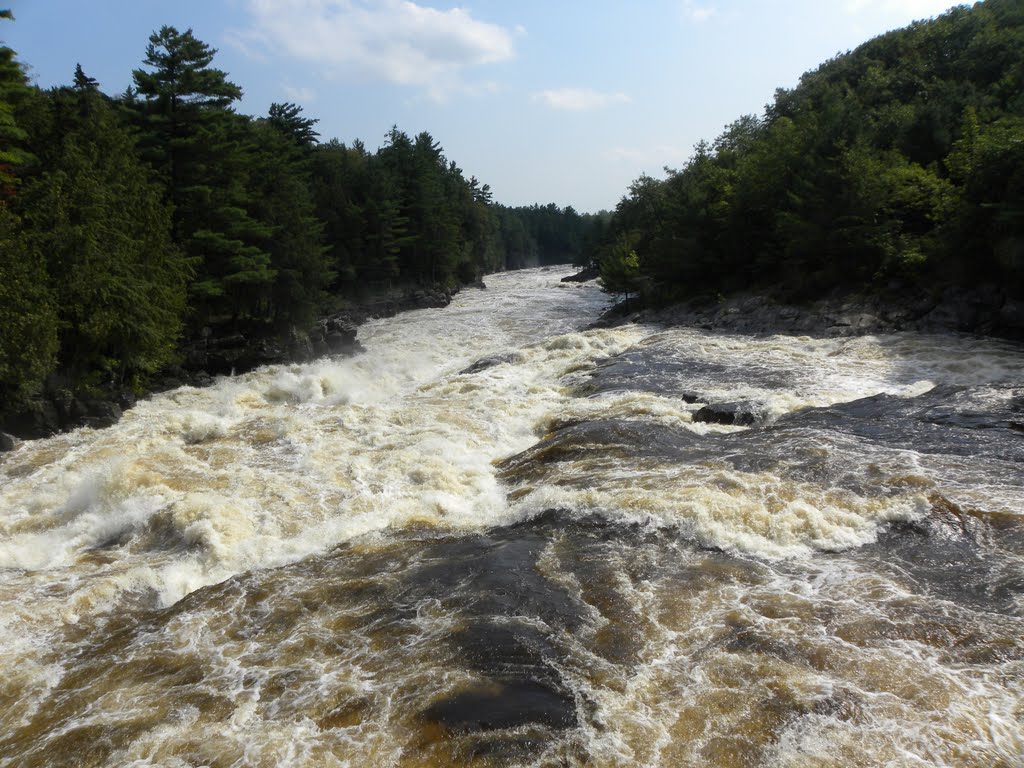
204,152
14,90
99,217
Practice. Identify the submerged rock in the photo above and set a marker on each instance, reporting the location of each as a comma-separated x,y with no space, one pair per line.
739,414
484,363
511,705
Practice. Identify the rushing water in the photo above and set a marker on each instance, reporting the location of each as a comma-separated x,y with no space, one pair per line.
497,539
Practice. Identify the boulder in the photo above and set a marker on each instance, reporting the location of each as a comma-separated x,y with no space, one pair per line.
7,442
339,343
487,362
102,413
583,276
1011,319
39,418
740,414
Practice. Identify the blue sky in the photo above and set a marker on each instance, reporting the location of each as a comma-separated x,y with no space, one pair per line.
563,101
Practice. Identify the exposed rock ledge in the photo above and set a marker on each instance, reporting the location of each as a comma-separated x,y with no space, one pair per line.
983,310
585,275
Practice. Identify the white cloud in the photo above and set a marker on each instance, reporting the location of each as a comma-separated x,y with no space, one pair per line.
697,12
397,41
916,9
579,99
299,94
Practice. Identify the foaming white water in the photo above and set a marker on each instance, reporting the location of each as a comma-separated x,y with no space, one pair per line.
262,469
772,641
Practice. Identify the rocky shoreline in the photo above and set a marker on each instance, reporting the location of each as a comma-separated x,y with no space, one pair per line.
985,311
211,353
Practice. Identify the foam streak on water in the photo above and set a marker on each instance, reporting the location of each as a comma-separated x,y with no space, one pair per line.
498,539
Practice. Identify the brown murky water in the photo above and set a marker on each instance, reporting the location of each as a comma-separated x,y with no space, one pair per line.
497,540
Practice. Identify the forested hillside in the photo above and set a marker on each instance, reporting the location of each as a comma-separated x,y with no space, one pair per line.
896,167
130,221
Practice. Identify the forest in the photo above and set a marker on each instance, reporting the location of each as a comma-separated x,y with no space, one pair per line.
130,222
892,169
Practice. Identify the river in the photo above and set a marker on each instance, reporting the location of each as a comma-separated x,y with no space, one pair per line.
498,539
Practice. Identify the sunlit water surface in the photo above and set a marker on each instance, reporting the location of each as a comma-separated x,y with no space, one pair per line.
498,539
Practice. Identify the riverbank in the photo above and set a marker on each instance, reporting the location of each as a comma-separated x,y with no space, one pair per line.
984,310
224,351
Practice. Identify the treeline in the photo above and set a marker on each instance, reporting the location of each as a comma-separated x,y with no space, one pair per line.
128,221
896,167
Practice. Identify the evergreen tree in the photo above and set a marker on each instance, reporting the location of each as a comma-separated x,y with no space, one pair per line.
28,342
895,165
13,91
280,186
204,152
97,214
28,322
287,119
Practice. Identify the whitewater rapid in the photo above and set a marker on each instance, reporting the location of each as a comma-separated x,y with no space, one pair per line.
494,509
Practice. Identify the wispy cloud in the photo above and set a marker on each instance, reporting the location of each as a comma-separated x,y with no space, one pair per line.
299,94
579,99
396,41
649,156
697,12
910,8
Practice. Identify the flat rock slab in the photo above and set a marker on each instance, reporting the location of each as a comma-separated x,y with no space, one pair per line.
501,706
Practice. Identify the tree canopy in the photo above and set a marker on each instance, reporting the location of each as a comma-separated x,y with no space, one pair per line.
127,222
898,165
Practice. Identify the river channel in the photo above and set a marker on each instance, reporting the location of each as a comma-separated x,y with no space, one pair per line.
497,538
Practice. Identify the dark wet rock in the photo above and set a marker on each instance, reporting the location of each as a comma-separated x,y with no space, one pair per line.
941,553
501,748
605,439
584,275
102,413
504,706
1011,319
663,369
338,343
7,442
984,309
740,414
509,651
39,418
504,578
70,409
487,362
960,421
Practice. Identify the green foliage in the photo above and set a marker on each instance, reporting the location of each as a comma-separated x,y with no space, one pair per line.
124,221
287,119
899,163
98,216
620,268
206,155
13,91
28,344
283,202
